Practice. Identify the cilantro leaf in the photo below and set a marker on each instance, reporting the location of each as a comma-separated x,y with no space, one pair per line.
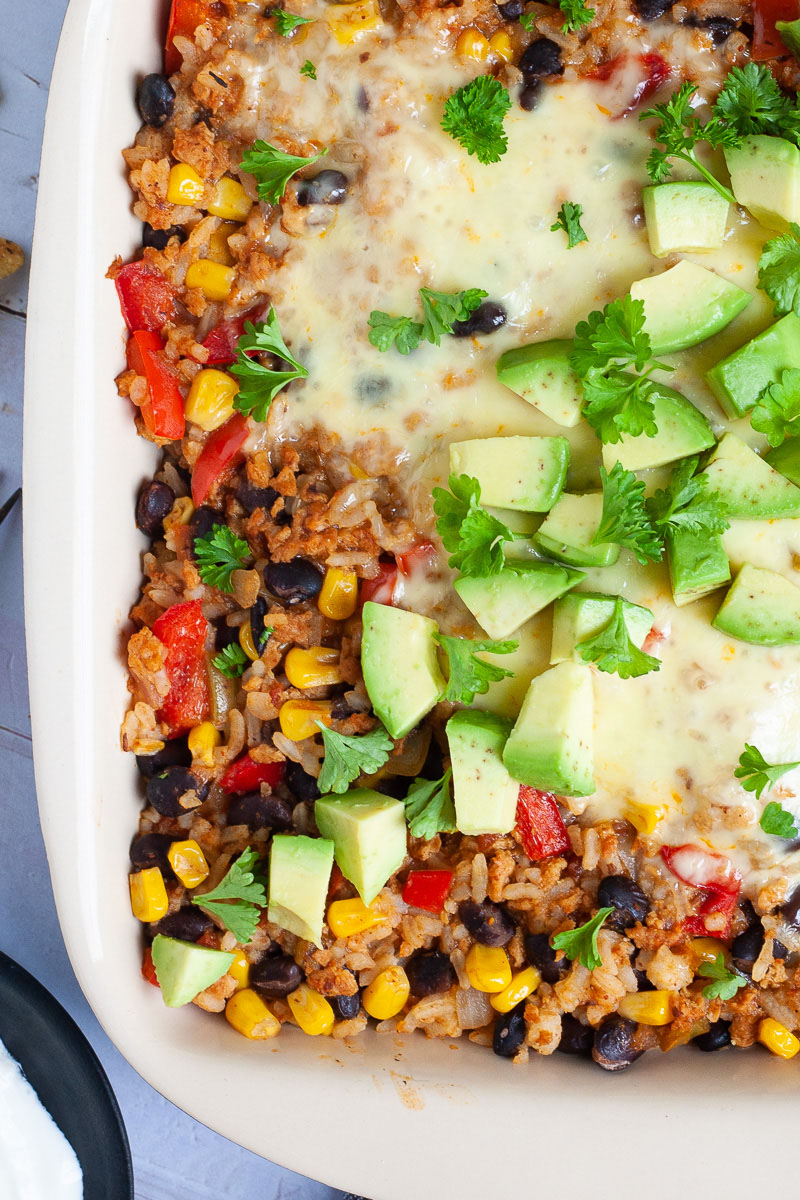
779,271
469,675
777,410
612,651
429,807
273,168
308,69
756,774
576,15
569,219
218,555
581,943
386,331
473,537
625,521
231,661
752,102
237,898
612,337
348,757
777,821
441,310
528,21
473,116
726,983
619,404
259,385
685,505
679,130
286,22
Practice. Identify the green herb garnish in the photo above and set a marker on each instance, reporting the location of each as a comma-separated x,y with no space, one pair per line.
685,503
777,821
470,676
473,537
679,130
612,650
777,411
308,69
757,775
238,897
726,983
231,661
286,22
569,219
581,943
259,385
625,521
273,168
576,15
474,115
218,555
347,757
528,21
779,271
429,807
440,311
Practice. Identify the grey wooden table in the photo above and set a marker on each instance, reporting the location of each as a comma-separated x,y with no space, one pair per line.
174,1157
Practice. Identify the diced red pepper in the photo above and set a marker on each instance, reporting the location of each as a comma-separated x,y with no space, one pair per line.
540,824
427,889
336,883
184,17
246,775
654,637
712,873
380,589
145,296
419,558
604,71
220,452
656,71
162,409
223,340
767,42
209,939
183,630
714,903
148,970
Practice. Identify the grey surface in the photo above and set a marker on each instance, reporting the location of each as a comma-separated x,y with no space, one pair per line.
174,1157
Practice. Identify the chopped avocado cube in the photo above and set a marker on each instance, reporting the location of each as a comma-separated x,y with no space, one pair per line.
738,380
527,473
761,607
299,874
501,603
747,485
368,831
790,35
183,969
583,614
765,178
567,531
682,430
551,747
484,793
687,304
400,665
698,564
684,217
786,459
541,374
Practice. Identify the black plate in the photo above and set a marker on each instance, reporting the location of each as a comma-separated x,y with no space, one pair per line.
66,1073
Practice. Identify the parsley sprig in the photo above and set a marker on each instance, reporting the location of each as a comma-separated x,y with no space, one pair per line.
726,983
612,650
625,520
308,69
429,807
569,219
231,661
347,757
679,130
259,384
686,504
581,943
473,116
777,411
440,311
779,271
218,555
576,15
272,168
238,897
473,537
286,22
470,676
777,821
757,775
751,101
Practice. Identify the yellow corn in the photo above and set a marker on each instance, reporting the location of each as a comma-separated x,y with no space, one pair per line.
316,667
298,718
185,186
230,201
387,994
312,1012
348,917
188,862
149,901
246,641
213,280
644,817
339,595
472,44
181,513
218,249
210,400
347,22
239,970
705,949
521,986
202,740
648,1008
500,46
488,968
147,746
777,1038
249,1015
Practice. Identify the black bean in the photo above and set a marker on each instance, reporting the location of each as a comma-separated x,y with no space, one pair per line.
486,318
613,1048
224,634
276,976
150,850
487,923
159,238
530,95
294,581
575,1037
429,972
716,1038
778,949
628,901
643,984
509,1032
260,812
176,753
187,924
746,948
720,28
541,58
791,909
346,1007
651,10
362,100
373,390
202,521
511,11
155,99
165,790
540,954
252,497
328,187
302,785
153,503
258,615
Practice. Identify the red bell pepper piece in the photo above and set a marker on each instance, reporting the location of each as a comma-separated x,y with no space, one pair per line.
145,296
427,889
222,342
656,72
246,775
184,17
220,451
712,873
162,409
713,903
183,630
767,42
148,970
540,824
381,589
419,558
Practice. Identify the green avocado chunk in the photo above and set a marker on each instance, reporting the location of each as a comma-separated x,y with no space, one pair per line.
501,603
567,531
551,747
738,380
747,485
761,607
684,217
582,614
682,430
541,374
368,831
687,304
183,969
299,874
400,665
527,473
698,564
765,178
484,793
786,459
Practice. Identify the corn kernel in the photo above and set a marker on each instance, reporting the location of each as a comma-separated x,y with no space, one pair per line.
339,595
348,917
218,249
181,513
249,1015
230,201
202,740
312,1012
246,641
213,280
705,949
298,718
644,817
147,745
472,44
316,667
488,968
387,994
188,862
210,400
239,970
500,46
149,900
777,1038
347,22
648,1008
521,986
184,186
